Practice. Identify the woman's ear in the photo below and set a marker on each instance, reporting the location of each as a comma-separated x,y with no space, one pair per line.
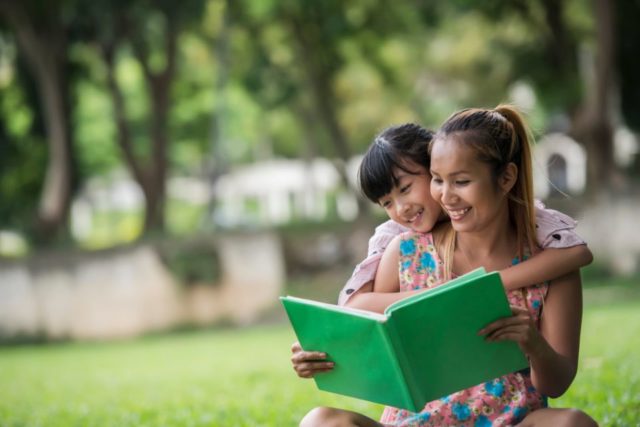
508,178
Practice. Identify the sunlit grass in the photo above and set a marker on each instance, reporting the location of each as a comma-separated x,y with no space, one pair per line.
243,377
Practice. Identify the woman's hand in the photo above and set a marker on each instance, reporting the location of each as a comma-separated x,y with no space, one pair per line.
309,363
519,328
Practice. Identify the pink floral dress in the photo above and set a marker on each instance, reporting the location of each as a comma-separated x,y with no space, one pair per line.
503,401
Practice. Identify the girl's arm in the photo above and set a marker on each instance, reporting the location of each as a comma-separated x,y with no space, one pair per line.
385,289
546,265
552,350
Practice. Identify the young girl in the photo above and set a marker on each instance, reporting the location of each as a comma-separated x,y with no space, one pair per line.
482,177
394,174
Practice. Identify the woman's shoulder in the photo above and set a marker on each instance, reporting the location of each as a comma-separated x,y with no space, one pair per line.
415,236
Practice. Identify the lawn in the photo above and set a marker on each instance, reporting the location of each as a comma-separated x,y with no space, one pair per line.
243,377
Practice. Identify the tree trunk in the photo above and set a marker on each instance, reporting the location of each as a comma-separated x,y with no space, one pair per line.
325,107
217,163
45,50
151,174
159,86
593,124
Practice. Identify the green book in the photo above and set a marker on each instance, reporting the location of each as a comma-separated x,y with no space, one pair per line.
422,348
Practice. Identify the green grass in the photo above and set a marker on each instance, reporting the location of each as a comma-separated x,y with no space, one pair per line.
242,377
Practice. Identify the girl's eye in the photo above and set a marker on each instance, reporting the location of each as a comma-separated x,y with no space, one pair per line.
385,204
436,180
405,188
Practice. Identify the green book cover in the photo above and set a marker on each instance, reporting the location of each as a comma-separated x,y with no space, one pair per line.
424,347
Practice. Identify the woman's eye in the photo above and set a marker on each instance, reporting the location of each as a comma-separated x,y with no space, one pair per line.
405,188
462,182
436,180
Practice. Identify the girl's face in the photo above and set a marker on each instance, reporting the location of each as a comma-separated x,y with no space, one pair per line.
410,202
465,188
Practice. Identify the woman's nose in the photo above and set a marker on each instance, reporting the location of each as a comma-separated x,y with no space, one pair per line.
447,194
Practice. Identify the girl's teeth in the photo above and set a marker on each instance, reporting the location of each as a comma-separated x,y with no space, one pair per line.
415,216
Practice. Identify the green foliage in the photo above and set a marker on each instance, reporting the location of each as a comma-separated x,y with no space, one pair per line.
245,88
192,262
113,228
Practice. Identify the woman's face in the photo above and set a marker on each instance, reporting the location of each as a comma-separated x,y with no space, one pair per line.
465,187
410,202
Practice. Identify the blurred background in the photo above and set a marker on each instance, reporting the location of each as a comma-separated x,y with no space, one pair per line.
175,166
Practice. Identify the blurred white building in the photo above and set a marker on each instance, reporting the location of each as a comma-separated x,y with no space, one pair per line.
264,193
277,191
560,163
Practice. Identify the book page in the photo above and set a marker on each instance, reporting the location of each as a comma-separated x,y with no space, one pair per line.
478,272
340,308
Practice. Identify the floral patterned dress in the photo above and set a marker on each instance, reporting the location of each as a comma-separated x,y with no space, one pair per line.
503,401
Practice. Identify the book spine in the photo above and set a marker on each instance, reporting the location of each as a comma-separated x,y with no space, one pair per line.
415,397
398,373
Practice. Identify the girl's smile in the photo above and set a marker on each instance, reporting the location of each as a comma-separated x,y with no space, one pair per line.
410,203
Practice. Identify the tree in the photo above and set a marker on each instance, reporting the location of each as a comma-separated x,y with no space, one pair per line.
41,32
550,61
593,125
150,30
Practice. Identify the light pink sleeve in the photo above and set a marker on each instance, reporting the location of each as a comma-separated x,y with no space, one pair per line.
555,229
365,272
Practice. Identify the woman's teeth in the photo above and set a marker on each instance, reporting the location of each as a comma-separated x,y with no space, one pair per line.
458,213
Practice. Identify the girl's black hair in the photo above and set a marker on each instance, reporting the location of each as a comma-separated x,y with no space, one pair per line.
393,149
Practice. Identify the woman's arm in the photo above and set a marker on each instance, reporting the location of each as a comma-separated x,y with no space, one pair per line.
546,265
385,289
554,365
553,350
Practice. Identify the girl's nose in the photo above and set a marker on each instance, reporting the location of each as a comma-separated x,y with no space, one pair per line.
401,207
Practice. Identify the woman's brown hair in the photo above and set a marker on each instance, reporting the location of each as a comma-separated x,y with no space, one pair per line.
499,136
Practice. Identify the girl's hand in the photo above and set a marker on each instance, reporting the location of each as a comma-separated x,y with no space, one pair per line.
309,363
519,328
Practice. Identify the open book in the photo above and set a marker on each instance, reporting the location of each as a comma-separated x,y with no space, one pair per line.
422,348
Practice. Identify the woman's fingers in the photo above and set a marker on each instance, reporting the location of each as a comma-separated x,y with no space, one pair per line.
505,322
304,356
519,331
299,355
309,369
309,363
516,310
312,373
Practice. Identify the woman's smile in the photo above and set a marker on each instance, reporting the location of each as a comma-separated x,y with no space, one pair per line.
457,214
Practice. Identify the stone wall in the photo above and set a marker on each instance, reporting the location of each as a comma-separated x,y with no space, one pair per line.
128,292
611,230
